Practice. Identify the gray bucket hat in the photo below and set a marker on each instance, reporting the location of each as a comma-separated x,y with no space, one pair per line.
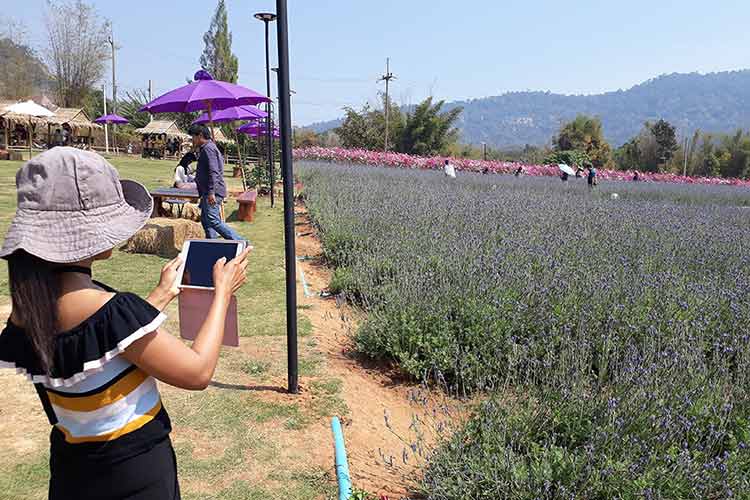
72,206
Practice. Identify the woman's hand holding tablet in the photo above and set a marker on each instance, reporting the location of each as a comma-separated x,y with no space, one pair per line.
211,270
198,258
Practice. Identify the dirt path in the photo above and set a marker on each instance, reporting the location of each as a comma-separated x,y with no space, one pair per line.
380,458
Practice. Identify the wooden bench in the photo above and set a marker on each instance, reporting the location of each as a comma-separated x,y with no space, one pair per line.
159,195
247,205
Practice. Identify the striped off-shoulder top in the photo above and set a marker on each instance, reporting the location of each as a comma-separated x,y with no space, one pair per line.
101,406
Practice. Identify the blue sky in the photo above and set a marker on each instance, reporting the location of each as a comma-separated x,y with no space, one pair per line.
452,50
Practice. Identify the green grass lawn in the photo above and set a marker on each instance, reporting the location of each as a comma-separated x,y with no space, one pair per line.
227,437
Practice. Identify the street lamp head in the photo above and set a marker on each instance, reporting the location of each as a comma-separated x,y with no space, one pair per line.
266,17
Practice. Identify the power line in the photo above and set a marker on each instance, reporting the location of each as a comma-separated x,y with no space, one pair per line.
111,40
387,78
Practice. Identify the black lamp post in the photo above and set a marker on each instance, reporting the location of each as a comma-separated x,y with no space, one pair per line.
268,17
285,118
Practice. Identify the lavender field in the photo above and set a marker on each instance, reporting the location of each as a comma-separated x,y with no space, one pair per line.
607,336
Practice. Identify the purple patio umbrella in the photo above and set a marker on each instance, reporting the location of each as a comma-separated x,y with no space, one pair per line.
234,114
204,93
111,118
254,130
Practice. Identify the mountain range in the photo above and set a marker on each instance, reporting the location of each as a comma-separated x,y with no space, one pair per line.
714,102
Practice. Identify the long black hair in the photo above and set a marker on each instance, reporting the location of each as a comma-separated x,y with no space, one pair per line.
34,290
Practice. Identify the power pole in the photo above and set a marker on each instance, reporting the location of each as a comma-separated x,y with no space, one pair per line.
104,98
150,116
387,78
111,40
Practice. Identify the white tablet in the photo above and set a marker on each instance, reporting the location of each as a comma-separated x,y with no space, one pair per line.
198,259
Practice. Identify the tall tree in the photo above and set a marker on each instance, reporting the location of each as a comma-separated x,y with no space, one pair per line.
76,48
709,162
217,57
427,130
424,131
366,128
648,149
358,129
652,150
585,134
628,156
666,140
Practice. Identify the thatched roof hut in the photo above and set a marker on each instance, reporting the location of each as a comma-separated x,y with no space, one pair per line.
75,118
159,127
220,137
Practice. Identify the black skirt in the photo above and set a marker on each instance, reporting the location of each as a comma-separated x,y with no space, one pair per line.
151,475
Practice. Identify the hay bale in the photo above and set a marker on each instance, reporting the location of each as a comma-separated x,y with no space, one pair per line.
163,237
191,211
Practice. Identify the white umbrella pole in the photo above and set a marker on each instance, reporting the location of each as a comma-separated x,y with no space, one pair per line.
30,139
114,140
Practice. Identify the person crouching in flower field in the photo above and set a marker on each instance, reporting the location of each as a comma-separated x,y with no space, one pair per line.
449,169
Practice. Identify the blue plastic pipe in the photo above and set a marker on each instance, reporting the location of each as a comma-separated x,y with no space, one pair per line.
342,466
305,289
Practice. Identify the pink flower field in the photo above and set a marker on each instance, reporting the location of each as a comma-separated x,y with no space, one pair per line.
400,160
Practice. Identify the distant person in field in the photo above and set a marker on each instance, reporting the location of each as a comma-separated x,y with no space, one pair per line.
519,170
579,172
449,169
636,176
564,177
592,176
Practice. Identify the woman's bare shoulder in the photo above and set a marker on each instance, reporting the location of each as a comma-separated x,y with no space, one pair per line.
76,307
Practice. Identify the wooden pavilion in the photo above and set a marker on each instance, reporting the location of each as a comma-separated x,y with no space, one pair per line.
76,122
156,134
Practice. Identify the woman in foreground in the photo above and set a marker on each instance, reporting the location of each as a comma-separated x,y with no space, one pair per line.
93,353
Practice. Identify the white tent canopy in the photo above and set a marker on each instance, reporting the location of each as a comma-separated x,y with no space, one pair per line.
28,108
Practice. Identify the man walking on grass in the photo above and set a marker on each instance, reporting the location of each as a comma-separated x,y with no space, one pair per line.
209,178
